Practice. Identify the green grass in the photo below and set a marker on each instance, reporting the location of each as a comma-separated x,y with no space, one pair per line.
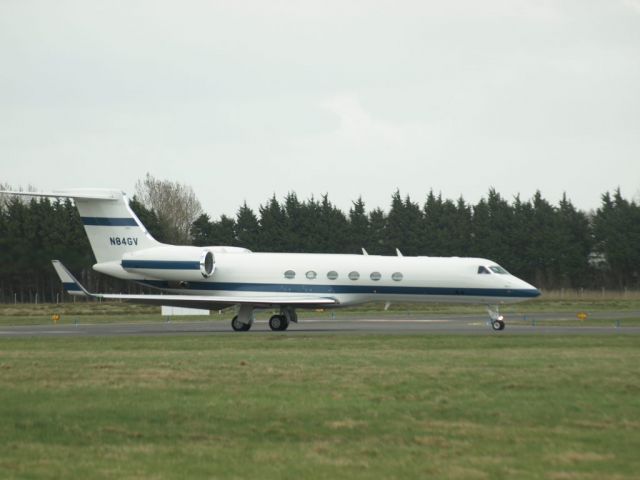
280,406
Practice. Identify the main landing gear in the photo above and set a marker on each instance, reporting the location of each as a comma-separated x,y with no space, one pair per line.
238,326
497,320
279,323
243,321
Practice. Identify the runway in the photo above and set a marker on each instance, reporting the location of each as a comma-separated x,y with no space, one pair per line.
533,324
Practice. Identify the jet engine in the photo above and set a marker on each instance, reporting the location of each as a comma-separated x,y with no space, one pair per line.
171,263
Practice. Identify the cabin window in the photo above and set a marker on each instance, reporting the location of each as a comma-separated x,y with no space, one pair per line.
375,276
498,269
332,275
289,274
397,277
354,275
483,270
311,275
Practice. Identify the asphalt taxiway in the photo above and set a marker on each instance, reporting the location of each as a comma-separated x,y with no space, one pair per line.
415,324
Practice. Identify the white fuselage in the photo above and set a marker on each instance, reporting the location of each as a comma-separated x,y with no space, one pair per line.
354,279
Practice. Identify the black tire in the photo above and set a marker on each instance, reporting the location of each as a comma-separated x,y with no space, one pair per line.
285,323
278,323
501,325
275,322
239,326
496,325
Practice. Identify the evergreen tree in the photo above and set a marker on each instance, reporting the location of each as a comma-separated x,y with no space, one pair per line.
296,236
202,231
332,228
544,242
521,240
433,237
575,245
492,222
358,237
447,227
273,227
247,228
405,225
378,228
223,232
460,227
617,236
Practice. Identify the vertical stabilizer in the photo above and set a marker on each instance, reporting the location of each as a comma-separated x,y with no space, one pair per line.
112,227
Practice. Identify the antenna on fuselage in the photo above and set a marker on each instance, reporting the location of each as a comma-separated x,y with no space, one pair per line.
364,252
399,252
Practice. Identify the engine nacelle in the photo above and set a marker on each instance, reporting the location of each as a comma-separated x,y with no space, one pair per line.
171,263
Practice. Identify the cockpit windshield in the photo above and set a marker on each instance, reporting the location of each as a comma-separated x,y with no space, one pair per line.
498,269
483,270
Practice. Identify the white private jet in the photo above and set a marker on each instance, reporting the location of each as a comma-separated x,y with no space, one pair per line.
218,277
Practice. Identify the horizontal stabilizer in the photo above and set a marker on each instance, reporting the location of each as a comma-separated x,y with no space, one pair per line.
71,285
84,193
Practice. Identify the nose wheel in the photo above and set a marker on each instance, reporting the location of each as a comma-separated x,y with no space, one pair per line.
497,320
497,325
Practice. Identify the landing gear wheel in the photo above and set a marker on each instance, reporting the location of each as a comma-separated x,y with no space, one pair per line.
278,323
239,326
497,325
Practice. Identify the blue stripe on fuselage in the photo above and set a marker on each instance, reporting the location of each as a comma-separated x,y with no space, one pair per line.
161,264
350,289
109,222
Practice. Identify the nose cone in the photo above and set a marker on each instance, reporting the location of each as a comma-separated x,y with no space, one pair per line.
525,290
532,291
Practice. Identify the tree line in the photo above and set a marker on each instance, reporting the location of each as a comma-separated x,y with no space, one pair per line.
551,246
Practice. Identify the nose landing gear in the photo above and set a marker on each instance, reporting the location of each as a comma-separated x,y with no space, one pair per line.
497,320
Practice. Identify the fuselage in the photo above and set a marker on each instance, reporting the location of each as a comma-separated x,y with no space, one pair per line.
355,279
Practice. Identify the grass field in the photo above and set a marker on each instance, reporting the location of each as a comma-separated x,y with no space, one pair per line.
279,406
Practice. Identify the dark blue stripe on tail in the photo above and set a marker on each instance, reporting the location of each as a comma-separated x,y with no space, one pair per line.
109,222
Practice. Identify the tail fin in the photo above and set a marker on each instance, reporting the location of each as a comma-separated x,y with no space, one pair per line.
112,227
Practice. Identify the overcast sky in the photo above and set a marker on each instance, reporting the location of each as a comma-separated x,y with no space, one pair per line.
244,99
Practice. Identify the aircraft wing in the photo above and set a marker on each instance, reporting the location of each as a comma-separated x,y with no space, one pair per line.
211,302
214,302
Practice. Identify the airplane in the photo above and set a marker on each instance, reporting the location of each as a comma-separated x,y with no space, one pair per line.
218,277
